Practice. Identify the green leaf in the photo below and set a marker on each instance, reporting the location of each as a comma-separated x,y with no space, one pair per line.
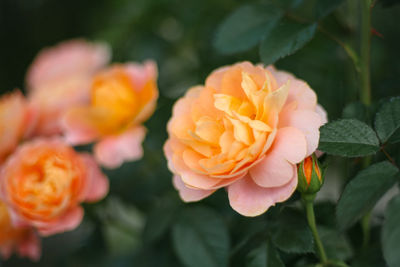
290,232
361,194
348,138
325,7
391,233
160,219
336,245
200,238
245,27
122,226
284,39
387,121
264,256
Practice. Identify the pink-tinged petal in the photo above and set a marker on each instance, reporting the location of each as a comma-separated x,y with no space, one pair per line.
290,142
276,169
169,154
249,199
272,171
74,57
69,221
76,130
192,179
140,74
31,120
214,79
281,77
30,247
112,151
189,194
97,183
322,112
305,120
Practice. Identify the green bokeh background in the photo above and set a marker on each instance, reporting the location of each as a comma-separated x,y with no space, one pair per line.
178,35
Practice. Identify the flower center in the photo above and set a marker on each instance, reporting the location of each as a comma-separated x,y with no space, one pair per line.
48,185
112,95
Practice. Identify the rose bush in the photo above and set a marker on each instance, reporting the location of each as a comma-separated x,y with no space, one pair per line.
44,181
245,129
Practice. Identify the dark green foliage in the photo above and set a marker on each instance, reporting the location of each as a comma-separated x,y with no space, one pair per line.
290,232
265,255
387,121
361,193
200,238
348,138
391,233
245,27
284,39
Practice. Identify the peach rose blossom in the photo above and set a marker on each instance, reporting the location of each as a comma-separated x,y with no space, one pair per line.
122,97
17,119
22,240
245,129
60,77
43,183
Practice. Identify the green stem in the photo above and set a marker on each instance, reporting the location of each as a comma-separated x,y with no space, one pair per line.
365,90
309,205
365,52
365,225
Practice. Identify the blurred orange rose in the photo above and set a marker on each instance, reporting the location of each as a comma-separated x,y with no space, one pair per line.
43,183
60,77
246,130
122,97
23,240
16,122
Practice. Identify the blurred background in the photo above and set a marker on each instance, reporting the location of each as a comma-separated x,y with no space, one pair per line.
132,226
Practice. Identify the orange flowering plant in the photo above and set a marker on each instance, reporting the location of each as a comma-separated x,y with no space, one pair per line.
178,137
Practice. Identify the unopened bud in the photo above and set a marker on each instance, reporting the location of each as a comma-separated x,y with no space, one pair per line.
309,175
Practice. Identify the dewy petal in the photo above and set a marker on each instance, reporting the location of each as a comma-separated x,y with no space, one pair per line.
189,194
112,151
249,199
67,222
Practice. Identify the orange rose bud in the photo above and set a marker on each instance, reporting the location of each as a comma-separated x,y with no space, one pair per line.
309,175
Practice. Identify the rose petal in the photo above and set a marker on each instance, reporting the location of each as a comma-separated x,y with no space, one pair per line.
189,194
67,222
76,129
305,120
69,58
276,169
97,183
30,247
249,199
112,151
